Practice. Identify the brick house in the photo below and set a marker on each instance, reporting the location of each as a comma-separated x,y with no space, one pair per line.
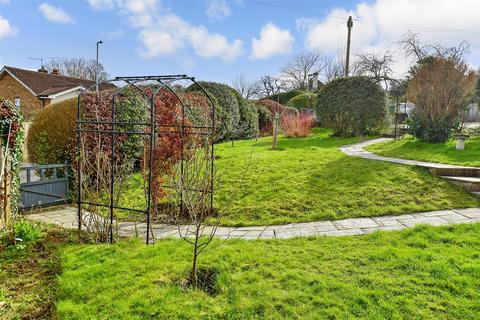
33,90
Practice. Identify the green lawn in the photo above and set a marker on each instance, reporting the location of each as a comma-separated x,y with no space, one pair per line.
411,148
421,273
310,179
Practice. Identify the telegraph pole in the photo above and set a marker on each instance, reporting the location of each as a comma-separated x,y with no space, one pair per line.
347,60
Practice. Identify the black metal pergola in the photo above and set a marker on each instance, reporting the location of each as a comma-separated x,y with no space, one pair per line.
148,87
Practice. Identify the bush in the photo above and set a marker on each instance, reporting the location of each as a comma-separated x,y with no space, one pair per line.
284,97
52,133
440,89
303,101
247,126
430,131
266,109
226,105
353,106
298,125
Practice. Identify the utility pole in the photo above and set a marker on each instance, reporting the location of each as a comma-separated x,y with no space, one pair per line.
347,60
96,66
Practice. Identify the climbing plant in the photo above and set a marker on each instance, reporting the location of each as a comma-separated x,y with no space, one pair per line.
11,135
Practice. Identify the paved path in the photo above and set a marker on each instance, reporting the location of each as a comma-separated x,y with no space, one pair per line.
357,150
66,217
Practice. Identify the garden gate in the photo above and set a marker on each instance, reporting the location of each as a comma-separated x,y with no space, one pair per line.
43,185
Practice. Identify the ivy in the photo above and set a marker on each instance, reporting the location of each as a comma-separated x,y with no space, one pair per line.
12,135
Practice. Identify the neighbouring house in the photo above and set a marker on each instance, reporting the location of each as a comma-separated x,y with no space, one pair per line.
31,90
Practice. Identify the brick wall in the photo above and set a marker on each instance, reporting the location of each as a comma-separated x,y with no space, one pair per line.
11,89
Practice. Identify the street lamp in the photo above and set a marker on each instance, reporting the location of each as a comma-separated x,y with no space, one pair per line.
96,66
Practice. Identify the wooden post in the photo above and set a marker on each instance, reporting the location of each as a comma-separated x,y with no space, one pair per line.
6,213
7,208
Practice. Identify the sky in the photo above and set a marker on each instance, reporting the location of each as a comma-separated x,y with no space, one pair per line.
220,39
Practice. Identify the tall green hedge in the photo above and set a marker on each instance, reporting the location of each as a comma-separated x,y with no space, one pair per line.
305,100
226,106
51,135
353,106
247,126
284,97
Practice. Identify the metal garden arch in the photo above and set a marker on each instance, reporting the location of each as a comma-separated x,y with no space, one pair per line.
149,88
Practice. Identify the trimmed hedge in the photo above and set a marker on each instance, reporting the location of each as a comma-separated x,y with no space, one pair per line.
247,127
353,106
306,100
284,97
51,135
226,105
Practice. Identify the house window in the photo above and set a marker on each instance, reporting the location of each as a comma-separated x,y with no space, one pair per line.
18,103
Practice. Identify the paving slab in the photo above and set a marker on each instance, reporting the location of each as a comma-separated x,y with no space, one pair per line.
472,213
354,223
432,221
352,226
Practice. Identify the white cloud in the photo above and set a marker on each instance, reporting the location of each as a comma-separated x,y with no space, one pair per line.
161,32
6,29
272,41
181,33
4,1
158,42
55,14
383,22
218,9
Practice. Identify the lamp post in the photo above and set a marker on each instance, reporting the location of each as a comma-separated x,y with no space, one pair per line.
96,66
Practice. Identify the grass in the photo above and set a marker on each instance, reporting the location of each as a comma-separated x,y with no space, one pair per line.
420,273
309,179
28,277
411,148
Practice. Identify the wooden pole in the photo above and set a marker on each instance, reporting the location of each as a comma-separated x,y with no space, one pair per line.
7,208
347,59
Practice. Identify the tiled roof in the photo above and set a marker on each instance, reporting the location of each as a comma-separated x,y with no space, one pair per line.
45,84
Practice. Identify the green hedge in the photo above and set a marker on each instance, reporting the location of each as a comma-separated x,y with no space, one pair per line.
353,106
51,135
247,127
284,97
306,100
226,106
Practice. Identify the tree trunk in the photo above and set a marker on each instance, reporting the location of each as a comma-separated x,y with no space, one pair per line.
194,278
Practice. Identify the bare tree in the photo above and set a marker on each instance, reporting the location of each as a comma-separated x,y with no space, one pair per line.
269,85
194,182
334,68
376,66
414,47
298,68
77,67
248,89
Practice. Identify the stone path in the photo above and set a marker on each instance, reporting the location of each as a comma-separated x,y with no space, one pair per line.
357,150
66,217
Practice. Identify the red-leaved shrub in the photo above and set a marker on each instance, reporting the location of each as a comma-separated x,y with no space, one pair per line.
270,108
172,142
298,125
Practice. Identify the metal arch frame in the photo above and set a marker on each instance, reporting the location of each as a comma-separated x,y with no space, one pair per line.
150,131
